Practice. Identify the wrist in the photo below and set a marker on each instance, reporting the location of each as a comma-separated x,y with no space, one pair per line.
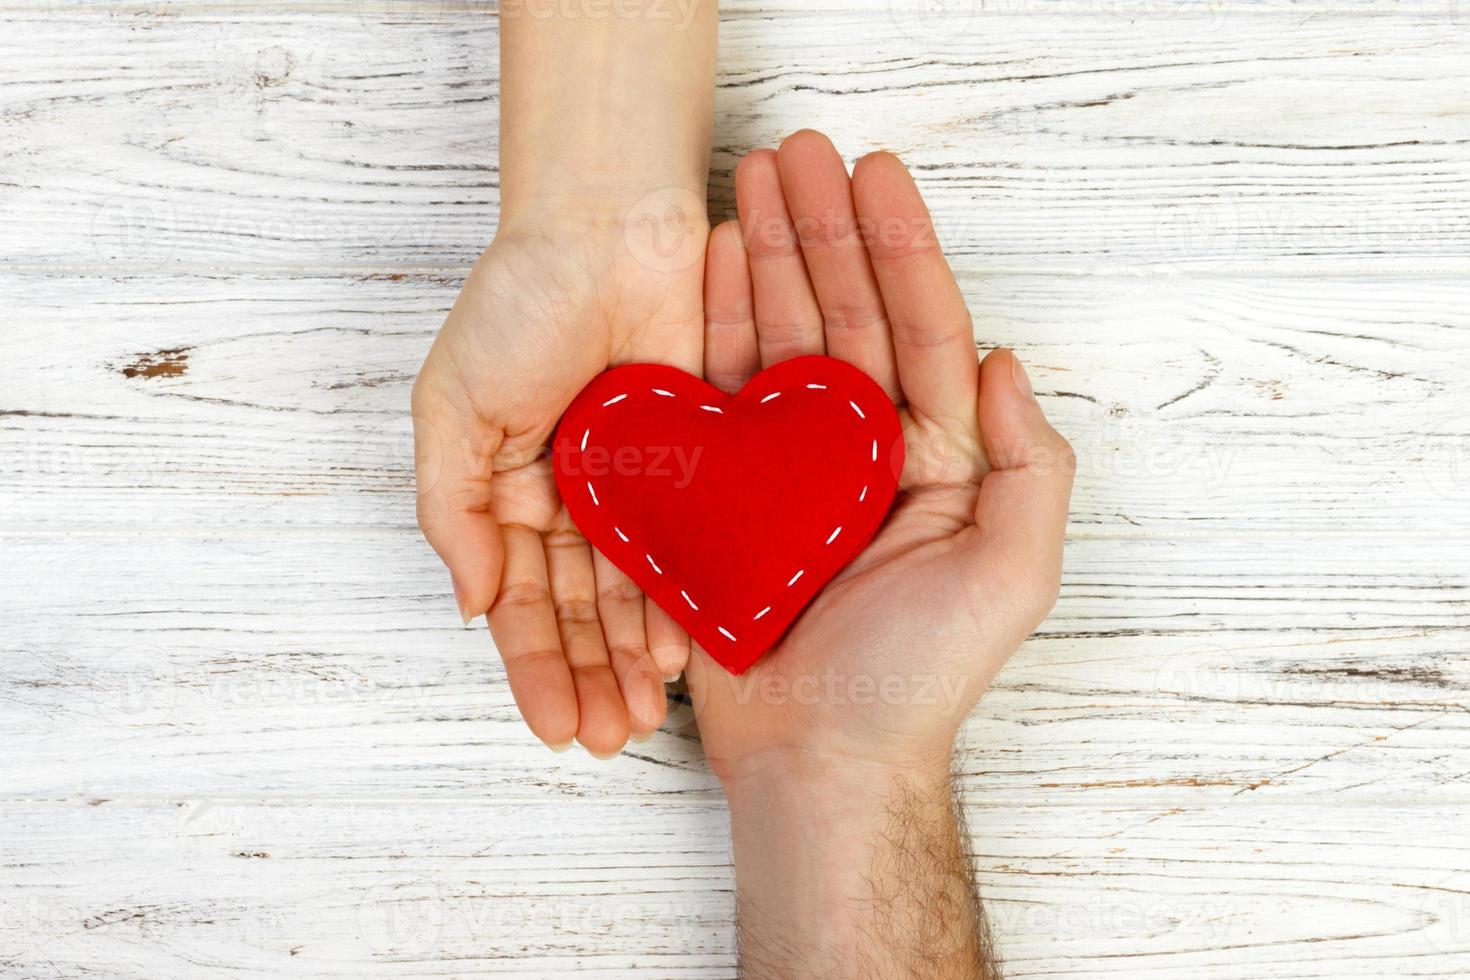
827,781
599,112
843,867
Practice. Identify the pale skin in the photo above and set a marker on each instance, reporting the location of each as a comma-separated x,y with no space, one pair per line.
834,749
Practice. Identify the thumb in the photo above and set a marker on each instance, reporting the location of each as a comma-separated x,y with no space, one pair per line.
453,463
1021,513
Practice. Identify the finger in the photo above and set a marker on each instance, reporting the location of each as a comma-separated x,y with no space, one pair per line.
1021,514
523,625
788,322
620,607
819,199
667,641
453,454
933,340
602,726
731,354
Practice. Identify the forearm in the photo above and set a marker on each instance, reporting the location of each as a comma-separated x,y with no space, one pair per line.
603,101
854,872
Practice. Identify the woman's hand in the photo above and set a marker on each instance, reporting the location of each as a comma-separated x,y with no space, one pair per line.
543,313
604,155
880,670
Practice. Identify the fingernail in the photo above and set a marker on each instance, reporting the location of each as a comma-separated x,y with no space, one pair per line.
559,747
459,599
1018,375
670,678
606,756
635,737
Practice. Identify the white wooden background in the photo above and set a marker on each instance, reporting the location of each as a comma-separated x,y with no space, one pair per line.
244,735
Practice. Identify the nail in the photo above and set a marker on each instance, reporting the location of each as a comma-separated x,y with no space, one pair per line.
1018,375
635,737
670,678
605,757
559,747
459,599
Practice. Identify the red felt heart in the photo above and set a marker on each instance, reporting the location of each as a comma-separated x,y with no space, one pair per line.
730,511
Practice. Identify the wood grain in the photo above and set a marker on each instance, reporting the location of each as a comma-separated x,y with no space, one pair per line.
203,140
288,664
210,889
245,735
1195,403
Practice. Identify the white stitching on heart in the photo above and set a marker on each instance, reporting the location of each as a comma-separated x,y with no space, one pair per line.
862,496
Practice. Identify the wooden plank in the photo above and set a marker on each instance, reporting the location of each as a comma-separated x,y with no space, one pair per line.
603,890
390,13
333,665
212,141
1202,402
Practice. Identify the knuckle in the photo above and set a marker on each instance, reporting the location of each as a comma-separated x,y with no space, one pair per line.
576,611
627,652
521,594
623,590
844,318
788,329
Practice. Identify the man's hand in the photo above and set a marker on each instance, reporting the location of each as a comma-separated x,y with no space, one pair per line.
834,749
598,261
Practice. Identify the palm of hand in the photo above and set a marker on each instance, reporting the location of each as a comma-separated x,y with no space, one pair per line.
865,654
890,656
964,568
538,319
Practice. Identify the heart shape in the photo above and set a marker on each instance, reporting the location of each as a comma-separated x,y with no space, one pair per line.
730,511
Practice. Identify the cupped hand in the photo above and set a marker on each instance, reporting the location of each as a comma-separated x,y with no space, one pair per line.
544,310
884,664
